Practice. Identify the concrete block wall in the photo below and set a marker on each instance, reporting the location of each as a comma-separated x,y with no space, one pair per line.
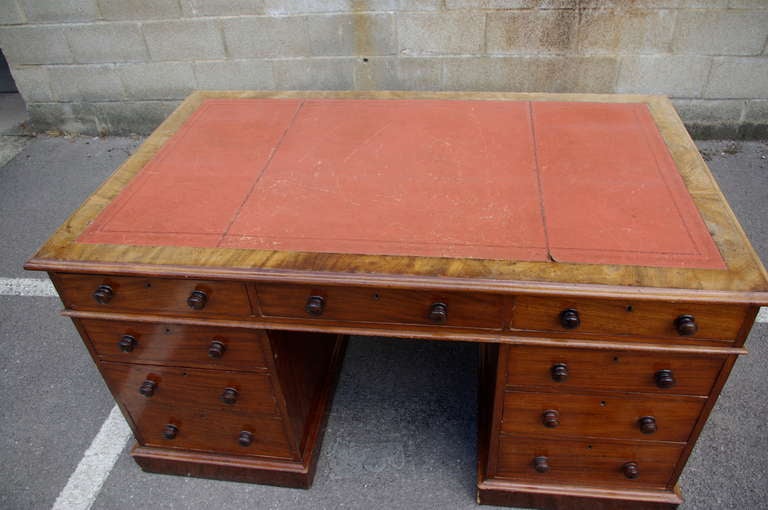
120,66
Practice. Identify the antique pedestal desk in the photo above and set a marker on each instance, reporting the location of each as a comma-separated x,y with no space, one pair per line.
579,240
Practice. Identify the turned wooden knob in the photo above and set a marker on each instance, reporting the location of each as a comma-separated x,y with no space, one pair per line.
197,300
664,379
229,396
170,431
559,372
541,464
686,325
647,424
148,388
216,349
569,319
127,343
630,470
103,294
245,439
315,305
550,418
438,312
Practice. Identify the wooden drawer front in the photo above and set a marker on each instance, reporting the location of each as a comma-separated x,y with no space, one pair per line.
640,318
177,388
599,370
205,430
606,415
382,305
154,295
177,344
588,463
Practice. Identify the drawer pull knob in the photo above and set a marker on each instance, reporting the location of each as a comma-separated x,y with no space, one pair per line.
103,294
541,464
647,424
197,300
664,379
550,418
315,305
686,325
229,396
170,431
127,343
630,470
438,312
569,319
216,349
148,388
559,372
245,439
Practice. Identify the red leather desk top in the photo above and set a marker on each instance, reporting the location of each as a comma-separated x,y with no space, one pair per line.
509,180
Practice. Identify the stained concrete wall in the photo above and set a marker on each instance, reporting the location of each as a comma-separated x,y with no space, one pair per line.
119,66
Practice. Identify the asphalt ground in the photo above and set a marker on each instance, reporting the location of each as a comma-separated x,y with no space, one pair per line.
402,429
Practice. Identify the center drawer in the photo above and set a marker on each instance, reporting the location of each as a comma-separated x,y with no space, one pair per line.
393,306
607,415
177,344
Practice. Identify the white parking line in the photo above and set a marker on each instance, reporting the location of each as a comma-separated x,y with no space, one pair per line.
26,287
98,460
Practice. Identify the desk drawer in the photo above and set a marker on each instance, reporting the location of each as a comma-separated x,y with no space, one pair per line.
638,318
349,304
177,344
568,369
175,389
588,463
154,295
606,415
205,430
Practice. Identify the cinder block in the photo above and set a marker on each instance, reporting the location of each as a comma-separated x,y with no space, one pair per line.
107,42
266,37
420,5
680,76
531,74
314,74
611,31
550,31
68,117
35,45
352,34
701,4
222,7
748,4
490,4
721,32
317,6
165,80
187,39
738,78
33,83
86,83
441,33
139,9
757,111
709,111
390,73
11,13
130,117
234,75
46,11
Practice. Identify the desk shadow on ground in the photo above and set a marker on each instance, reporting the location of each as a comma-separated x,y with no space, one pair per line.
402,433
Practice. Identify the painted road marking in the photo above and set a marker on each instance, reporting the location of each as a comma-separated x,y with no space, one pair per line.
98,460
27,287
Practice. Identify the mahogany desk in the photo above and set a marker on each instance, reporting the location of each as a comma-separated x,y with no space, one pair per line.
579,240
